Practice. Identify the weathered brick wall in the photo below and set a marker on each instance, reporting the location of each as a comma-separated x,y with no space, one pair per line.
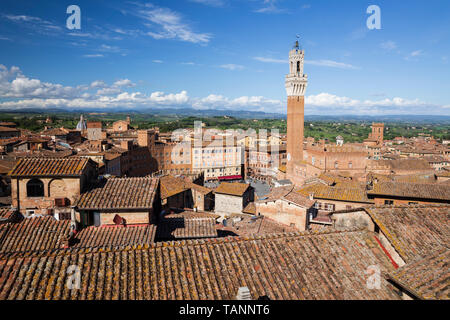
53,188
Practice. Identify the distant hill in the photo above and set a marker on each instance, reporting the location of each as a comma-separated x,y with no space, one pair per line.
242,114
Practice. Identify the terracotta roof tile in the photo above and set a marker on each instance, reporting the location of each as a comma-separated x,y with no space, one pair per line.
287,266
186,228
190,214
6,213
32,234
411,190
250,208
426,278
252,227
413,230
287,193
120,193
232,188
114,236
171,186
339,193
49,167
8,129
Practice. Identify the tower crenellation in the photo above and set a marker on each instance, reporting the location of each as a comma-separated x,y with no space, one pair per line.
296,81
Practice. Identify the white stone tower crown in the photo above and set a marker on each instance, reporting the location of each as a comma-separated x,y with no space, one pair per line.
296,82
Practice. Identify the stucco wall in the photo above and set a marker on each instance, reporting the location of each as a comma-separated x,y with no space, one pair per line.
226,204
130,217
359,219
284,212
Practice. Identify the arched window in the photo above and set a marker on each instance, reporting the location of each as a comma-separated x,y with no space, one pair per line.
336,165
298,66
350,165
35,188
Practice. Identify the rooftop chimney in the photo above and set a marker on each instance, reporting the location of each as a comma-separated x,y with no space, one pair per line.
243,294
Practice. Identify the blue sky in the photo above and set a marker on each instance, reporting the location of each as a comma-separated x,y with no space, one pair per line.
226,54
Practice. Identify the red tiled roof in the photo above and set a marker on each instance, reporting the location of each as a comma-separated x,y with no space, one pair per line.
426,278
190,214
250,208
120,193
6,213
55,132
114,236
8,129
411,190
171,185
186,228
249,226
287,193
32,234
232,188
341,192
49,167
287,266
413,230
92,124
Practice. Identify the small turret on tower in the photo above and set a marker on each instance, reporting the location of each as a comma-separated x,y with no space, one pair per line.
296,81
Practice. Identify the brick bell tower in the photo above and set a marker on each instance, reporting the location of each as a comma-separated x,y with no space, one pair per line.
296,83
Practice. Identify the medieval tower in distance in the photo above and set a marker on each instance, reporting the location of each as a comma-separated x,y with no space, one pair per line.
296,83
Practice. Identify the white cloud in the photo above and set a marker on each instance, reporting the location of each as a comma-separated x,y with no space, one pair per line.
124,83
254,103
269,6
13,84
95,55
270,60
231,66
330,63
213,3
330,103
35,23
18,91
157,61
170,25
414,55
98,84
108,48
108,91
388,45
